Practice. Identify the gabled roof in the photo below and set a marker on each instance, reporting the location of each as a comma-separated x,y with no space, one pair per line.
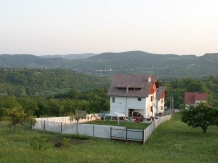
131,81
160,92
191,97
133,85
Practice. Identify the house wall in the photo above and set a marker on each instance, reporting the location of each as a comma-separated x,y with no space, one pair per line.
159,105
196,102
150,103
123,104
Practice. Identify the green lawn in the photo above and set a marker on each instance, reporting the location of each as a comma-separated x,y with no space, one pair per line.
171,142
128,125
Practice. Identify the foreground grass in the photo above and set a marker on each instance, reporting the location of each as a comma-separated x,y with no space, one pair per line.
128,125
171,142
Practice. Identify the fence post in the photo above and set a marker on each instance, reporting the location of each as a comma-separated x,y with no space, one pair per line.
61,127
143,137
126,134
110,132
44,125
93,131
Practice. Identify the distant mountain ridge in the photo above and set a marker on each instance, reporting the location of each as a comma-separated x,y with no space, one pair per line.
108,64
28,61
70,56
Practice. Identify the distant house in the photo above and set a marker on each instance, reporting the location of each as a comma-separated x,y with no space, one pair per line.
160,95
193,98
136,95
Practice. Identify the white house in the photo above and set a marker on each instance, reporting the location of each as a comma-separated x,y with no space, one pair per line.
161,93
134,93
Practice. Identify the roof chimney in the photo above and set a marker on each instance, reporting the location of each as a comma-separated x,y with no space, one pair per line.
149,78
127,88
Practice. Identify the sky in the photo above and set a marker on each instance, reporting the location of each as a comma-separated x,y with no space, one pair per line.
48,27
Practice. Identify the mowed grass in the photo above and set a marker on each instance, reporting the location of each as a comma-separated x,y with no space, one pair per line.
171,142
121,123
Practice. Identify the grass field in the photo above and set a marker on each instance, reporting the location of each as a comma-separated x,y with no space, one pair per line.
171,142
128,125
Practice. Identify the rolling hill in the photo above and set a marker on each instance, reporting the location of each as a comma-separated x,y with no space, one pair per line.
70,56
108,64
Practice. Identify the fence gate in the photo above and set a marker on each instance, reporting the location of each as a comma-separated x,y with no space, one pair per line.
127,134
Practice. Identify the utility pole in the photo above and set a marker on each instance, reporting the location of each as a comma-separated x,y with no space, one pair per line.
172,105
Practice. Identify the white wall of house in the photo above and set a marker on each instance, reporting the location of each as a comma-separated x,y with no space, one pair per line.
149,105
160,106
196,102
123,104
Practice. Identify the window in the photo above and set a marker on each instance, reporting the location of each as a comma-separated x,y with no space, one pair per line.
113,99
161,107
139,99
151,109
162,101
151,98
121,88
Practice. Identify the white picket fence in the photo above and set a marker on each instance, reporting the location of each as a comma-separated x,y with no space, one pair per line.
148,131
64,125
100,131
138,135
127,134
89,117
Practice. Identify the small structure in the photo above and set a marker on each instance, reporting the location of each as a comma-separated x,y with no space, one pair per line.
114,114
193,98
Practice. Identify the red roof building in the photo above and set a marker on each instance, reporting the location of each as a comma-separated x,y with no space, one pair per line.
194,98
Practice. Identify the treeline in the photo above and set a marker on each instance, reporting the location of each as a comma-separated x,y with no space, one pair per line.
29,82
94,101
177,88
87,92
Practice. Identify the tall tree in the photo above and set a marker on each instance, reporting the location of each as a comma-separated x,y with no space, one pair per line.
201,115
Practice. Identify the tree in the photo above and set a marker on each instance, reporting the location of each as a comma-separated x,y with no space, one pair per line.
54,107
201,115
9,102
39,145
99,104
29,105
41,109
74,94
17,115
1,113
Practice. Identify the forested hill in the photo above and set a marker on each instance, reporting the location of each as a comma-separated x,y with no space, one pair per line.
39,81
29,61
167,65
108,64
70,56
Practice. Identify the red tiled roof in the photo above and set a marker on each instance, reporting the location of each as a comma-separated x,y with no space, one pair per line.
132,81
191,97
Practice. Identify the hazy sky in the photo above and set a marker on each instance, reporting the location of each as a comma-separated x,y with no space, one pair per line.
42,27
